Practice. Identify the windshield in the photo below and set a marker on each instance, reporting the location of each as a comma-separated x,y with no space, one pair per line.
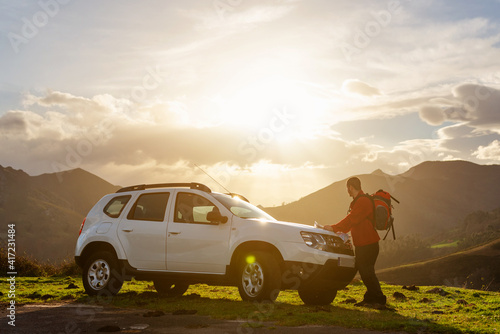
241,208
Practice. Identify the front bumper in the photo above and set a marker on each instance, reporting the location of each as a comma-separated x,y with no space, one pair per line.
331,274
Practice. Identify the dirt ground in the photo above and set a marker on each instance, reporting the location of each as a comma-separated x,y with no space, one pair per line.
70,318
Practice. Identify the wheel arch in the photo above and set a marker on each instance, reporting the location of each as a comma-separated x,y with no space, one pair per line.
251,246
91,248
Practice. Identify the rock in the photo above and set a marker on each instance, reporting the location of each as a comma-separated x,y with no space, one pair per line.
425,300
399,295
438,291
462,302
45,297
72,286
34,295
410,287
153,314
139,326
437,312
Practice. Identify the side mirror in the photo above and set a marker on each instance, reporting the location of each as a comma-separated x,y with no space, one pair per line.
216,217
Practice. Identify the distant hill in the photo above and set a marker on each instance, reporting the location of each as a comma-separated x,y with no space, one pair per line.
47,209
434,196
477,268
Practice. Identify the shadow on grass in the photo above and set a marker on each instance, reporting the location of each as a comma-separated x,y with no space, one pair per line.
262,314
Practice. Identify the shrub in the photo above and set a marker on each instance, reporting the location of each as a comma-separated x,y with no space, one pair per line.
27,266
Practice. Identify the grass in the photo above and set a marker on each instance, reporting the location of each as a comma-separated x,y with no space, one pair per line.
446,244
453,310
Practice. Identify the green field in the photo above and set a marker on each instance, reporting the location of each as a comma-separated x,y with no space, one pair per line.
455,310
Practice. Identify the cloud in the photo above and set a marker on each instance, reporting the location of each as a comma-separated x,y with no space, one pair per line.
236,16
490,152
480,105
477,106
432,115
12,122
358,87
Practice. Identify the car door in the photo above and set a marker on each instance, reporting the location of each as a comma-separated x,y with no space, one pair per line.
142,232
193,243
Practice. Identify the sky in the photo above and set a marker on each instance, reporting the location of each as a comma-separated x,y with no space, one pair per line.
272,99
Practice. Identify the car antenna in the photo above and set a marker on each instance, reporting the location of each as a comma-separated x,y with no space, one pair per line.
212,178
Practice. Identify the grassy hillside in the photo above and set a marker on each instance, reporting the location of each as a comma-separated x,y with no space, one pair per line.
477,228
476,268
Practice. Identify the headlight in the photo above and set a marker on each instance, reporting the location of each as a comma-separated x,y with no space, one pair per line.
314,240
325,242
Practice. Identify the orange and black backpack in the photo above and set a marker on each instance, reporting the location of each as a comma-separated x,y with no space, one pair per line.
382,211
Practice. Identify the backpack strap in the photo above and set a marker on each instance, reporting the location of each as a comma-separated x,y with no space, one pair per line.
393,232
373,207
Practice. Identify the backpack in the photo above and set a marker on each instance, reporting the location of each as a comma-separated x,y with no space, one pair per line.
382,211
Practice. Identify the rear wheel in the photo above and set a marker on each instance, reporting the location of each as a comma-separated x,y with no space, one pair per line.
259,276
169,288
101,274
312,295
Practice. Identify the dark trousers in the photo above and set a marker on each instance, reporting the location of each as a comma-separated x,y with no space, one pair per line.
366,256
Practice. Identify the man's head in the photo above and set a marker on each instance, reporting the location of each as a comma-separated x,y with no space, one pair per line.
353,187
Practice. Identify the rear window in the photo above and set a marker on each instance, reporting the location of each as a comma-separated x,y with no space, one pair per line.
115,207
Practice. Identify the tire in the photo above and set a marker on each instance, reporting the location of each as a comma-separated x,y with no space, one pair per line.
317,296
101,274
259,277
169,288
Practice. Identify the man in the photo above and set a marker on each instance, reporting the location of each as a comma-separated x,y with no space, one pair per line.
365,239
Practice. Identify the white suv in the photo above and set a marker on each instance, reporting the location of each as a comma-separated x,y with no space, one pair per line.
176,234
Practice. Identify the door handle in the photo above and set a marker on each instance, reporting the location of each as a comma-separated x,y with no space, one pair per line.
127,229
175,233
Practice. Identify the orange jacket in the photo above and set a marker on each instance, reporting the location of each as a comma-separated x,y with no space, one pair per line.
359,222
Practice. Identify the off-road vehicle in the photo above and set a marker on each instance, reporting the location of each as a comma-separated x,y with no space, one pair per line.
177,234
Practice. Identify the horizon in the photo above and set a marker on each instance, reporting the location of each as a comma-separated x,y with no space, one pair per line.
61,179
274,100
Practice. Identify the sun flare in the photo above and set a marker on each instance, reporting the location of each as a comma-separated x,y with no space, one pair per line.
259,104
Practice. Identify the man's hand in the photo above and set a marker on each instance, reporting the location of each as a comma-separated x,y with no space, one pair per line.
328,228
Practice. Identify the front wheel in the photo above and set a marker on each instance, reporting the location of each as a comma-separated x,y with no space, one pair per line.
312,295
170,289
101,274
259,277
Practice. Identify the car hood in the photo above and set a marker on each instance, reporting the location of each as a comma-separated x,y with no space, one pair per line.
289,227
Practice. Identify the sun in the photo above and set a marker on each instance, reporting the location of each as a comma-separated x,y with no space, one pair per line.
257,104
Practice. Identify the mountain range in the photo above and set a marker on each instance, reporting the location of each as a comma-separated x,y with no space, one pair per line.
48,209
435,197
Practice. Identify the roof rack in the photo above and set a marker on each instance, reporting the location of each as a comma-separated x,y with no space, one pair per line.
192,185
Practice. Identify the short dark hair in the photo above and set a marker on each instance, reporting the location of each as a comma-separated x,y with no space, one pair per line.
355,182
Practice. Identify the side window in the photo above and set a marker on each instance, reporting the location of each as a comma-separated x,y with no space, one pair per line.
115,207
191,208
149,207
